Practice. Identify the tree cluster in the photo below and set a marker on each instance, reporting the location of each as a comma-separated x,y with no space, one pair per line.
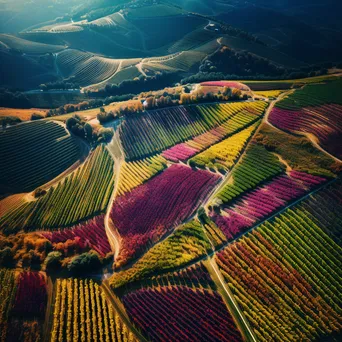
137,85
60,85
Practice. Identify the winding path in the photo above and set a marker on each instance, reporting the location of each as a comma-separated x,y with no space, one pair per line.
116,151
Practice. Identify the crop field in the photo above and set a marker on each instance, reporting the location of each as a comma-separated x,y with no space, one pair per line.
85,193
22,305
113,20
81,311
186,244
44,149
289,260
238,118
85,67
27,46
205,220
314,110
91,234
182,123
159,205
193,40
264,200
136,173
223,155
257,166
184,306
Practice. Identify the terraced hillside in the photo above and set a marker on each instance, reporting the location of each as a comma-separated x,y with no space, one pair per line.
203,208
44,150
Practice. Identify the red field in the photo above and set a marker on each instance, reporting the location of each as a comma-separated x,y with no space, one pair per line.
154,208
181,314
229,84
91,234
324,122
263,201
31,296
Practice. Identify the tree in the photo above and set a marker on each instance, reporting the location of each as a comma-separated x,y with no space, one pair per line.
6,257
39,192
105,135
71,122
37,116
85,264
53,262
88,130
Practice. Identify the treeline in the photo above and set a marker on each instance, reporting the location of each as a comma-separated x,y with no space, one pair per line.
242,63
233,65
136,86
60,85
34,251
168,100
91,104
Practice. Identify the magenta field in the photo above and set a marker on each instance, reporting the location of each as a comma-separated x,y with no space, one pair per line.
159,205
323,122
91,234
230,84
263,201
178,308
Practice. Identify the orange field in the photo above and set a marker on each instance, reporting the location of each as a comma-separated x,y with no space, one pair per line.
23,114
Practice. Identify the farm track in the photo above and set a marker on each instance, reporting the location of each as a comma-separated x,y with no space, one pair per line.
116,151
118,306
228,298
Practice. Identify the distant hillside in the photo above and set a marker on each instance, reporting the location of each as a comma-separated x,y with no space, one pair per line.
100,42
289,34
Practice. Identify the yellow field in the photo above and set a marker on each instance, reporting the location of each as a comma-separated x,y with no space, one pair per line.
135,173
225,153
268,93
23,114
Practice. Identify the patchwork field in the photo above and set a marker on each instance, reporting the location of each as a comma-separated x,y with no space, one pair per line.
170,171
185,225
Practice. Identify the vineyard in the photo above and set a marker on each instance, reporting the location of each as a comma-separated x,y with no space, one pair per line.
314,110
185,310
84,67
179,124
78,197
223,155
44,149
158,205
264,200
81,312
257,166
136,173
186,244
91,234
7,291
23,301
218,221
27,46
287,269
